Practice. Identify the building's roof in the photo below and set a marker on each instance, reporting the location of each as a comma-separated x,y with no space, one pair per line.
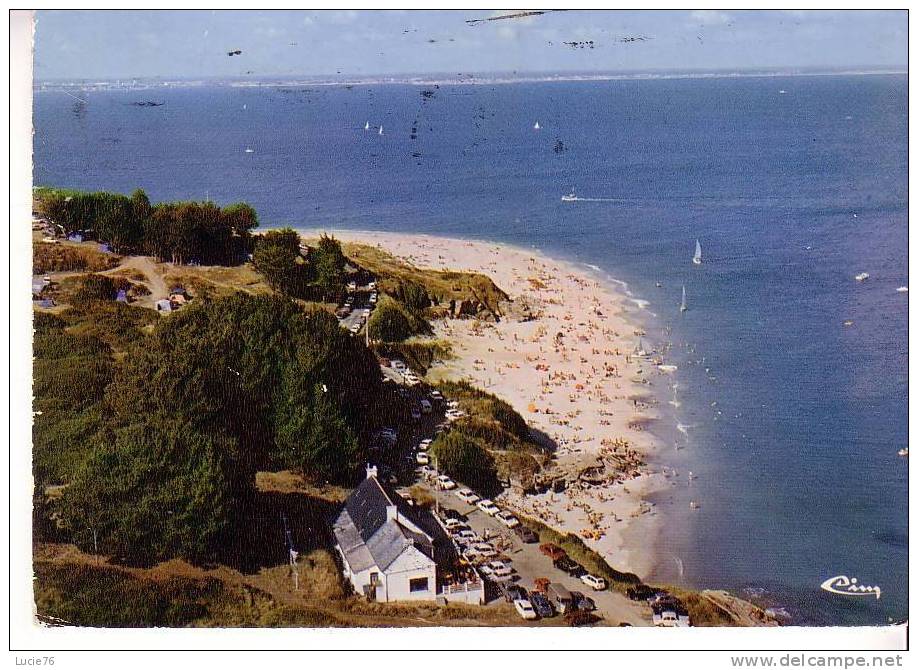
368,537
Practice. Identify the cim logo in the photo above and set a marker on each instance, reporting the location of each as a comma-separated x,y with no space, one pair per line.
848,586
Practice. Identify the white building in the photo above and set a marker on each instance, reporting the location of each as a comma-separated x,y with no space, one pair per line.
386,552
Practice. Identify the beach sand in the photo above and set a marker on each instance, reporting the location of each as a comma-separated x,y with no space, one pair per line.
571,373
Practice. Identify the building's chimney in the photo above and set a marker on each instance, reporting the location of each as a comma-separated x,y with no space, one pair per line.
371,471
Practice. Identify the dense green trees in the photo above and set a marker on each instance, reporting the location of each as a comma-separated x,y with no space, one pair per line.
277,257
149,493
218,391
180,232
319,276
389,322
328,263
464,459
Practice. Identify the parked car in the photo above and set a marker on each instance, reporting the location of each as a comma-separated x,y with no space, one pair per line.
560,597
526,534
436,396
424,445
426,407
553,551
415,414
641,592
525,609
398,366
449,513
467,496
671,618
582,602
594,582
422,458
467,535
541,604
488,507
507,519
571,567
446,483
428,472
483,549
496,570
453,524
514,592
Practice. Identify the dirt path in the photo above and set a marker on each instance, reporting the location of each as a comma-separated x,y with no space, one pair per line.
154,277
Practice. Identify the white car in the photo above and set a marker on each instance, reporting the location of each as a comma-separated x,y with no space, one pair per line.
497,569
525,610
453,524
398,365
422,458
411,381
483,549
670,619
507,519
467,496
436,395
488,507
424,445
467,535
445,482
452,404
372,286
453,414
428,472
594,582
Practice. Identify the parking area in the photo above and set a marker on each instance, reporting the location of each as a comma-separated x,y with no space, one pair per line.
529,563
355,311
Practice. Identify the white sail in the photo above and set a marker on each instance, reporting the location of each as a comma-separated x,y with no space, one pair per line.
380,130
696,259
536,126
367,127
683,306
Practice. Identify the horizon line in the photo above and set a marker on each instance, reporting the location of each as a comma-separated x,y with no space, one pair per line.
493,76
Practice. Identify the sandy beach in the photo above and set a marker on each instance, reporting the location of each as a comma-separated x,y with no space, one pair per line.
572,372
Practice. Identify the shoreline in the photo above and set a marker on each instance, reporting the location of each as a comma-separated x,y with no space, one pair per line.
588,399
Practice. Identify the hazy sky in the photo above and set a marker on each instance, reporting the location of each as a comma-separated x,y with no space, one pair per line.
119,44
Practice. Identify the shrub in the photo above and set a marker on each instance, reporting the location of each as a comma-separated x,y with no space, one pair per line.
465,460
389,322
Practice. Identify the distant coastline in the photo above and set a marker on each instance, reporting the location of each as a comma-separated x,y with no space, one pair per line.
444,79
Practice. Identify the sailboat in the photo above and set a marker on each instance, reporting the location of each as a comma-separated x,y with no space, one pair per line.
696,259
683,306
367,127
380,130
536,126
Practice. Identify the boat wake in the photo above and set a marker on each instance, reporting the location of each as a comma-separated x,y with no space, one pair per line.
683,428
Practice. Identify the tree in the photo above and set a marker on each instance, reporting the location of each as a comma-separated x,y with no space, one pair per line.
221,389
389,323
275,257
148,495
465,460
328,263
313,437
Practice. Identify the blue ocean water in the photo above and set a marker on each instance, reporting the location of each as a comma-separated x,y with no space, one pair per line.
790,419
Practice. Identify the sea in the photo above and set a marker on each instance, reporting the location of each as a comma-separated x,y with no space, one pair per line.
790,399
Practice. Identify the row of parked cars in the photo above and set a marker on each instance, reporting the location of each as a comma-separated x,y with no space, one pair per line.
548,599
668,610
565,563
